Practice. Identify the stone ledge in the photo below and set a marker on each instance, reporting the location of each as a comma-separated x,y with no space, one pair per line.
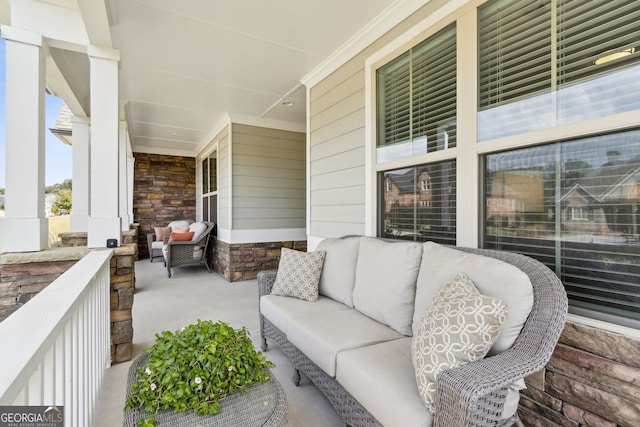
73,253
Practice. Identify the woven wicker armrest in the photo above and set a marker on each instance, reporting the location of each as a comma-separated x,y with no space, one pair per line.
265,282
475,393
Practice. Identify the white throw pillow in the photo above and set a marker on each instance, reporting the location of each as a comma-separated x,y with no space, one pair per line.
459,327
298,274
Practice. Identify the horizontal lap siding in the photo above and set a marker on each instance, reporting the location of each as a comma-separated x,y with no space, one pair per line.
337,142
337,156
224,183
269,187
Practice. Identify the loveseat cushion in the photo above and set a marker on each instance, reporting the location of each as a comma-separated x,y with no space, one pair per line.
281,310
179,224
492,277
382,379
385,285
322,336
198,229
339,270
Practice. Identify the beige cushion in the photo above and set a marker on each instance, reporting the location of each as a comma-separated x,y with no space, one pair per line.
283,310
459,327
322,336
198,229
339,270
381,377
298,274
385,285
492,277
179,223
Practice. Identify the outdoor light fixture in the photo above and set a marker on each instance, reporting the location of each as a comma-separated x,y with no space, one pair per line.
614,55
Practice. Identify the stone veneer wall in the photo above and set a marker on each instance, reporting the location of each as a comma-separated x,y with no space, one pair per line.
593,379
22,276
164,189
243,261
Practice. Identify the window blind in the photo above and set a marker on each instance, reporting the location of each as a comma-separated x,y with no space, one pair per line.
416,99
419,203
537,63
574,206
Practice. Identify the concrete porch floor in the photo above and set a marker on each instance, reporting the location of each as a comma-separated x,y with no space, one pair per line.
162,304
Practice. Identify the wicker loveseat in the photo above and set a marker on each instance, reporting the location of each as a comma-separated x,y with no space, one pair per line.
357,341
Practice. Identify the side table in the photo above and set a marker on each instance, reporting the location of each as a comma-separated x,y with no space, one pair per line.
263,404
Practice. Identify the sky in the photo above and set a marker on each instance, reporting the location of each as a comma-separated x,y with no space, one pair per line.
58,161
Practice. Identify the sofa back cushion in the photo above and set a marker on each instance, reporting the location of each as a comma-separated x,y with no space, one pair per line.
339,270
179,223
385,285
492,277
198,229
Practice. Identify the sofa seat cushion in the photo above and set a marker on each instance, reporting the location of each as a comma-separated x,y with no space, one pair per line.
280,310
157,244
339,270
322,336
492,277
382,379
385,286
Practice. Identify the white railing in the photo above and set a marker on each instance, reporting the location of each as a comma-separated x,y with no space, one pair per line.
56,348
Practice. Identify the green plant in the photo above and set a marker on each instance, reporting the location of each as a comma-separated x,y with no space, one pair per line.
195,368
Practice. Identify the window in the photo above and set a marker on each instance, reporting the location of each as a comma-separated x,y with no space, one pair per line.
410,213
416,96
210,187
548,63
416,110
536,204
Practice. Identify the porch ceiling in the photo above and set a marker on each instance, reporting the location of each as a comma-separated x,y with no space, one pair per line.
185,65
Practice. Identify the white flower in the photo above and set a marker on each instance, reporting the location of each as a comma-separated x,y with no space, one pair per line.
152,387
198,380
232,368
147,371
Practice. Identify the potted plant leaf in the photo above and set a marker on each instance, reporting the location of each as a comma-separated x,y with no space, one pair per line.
194,369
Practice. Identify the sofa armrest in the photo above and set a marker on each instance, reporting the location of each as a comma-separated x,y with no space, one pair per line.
265,282
475,393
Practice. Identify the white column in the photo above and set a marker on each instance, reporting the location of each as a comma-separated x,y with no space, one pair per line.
81,136
104,219
25,227
131,162
123,181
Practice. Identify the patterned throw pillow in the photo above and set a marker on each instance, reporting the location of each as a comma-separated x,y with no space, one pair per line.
459,327
298,274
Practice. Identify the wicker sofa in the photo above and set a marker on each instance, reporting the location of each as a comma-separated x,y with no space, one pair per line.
358,341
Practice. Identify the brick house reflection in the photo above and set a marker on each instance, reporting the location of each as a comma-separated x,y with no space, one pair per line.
605,202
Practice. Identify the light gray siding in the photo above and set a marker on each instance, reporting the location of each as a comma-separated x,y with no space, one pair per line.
224,182
337,141
269,179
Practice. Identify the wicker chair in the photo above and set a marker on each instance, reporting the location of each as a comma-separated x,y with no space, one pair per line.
179,253
472,394
155,246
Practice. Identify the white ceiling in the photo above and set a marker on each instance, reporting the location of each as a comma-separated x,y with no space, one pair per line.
185,65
